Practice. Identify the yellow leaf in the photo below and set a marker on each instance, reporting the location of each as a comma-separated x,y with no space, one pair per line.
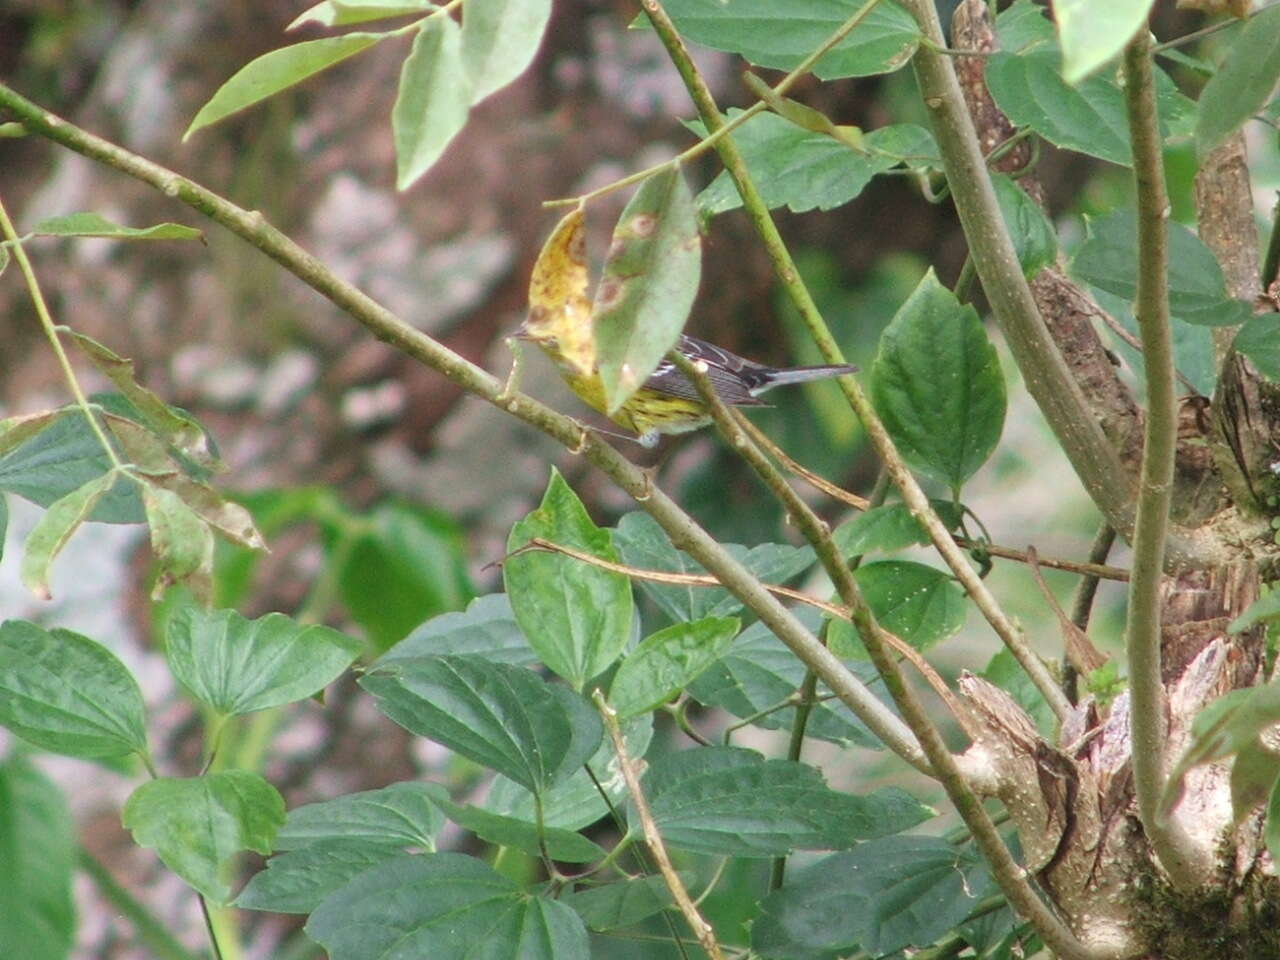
559,309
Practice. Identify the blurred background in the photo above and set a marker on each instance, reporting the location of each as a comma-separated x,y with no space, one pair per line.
331,437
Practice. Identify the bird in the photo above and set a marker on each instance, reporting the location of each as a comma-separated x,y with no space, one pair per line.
668,401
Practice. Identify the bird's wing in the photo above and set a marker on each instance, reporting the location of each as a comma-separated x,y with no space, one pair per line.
729,385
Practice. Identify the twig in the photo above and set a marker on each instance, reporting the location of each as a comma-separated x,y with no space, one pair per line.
1080,651
713,137
763,441
1118,329
1089,569
1186,866
701,929
1082,599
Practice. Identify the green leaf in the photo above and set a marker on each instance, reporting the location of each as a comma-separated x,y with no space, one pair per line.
1007,674
276,71
1033,235
345,13
1253,776
576,802
196,825
650,280
801,170
1259,340
1243,84
1108,260
1022,25
936,383
667,661
503,717
173,425
884,896
1089,116
402,814
238,666
60,454
4,523
1192,344
181,542
298,882
625,903
399,565
443,906
55,528
149,455
65,693
577,617
888,528
770,35
500,38
732,802
1271,832
486,629
37,848
920,604
760,671
1094,31
645,544
95,225
432,101
503,831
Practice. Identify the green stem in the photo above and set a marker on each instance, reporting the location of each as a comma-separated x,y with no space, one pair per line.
1187,867
51,333
209,926
1043,369
150,932
789,275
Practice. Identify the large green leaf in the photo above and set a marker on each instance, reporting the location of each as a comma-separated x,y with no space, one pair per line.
297,882
733,802
196,825
60,457
499,40
56,527
504,831
803,170
445,906
1094,31
576,802
487,628
68,694
1108,260
889,527
780,36
667,661
433,99
344,13
235,665
650,280
402,814
936,383
920,604
576,616
1193,354
504,717
276,71
886,895
760,672
95,225
1243,84
646,545
398,565
1259,340
37,848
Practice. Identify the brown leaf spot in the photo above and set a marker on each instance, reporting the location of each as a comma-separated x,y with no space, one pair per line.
642,224
610,293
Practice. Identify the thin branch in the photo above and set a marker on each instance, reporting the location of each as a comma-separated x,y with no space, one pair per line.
762,440
701,929
684,532
1082,599
51,333
713,137
1186,866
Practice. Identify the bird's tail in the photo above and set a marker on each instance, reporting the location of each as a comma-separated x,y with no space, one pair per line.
781,378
